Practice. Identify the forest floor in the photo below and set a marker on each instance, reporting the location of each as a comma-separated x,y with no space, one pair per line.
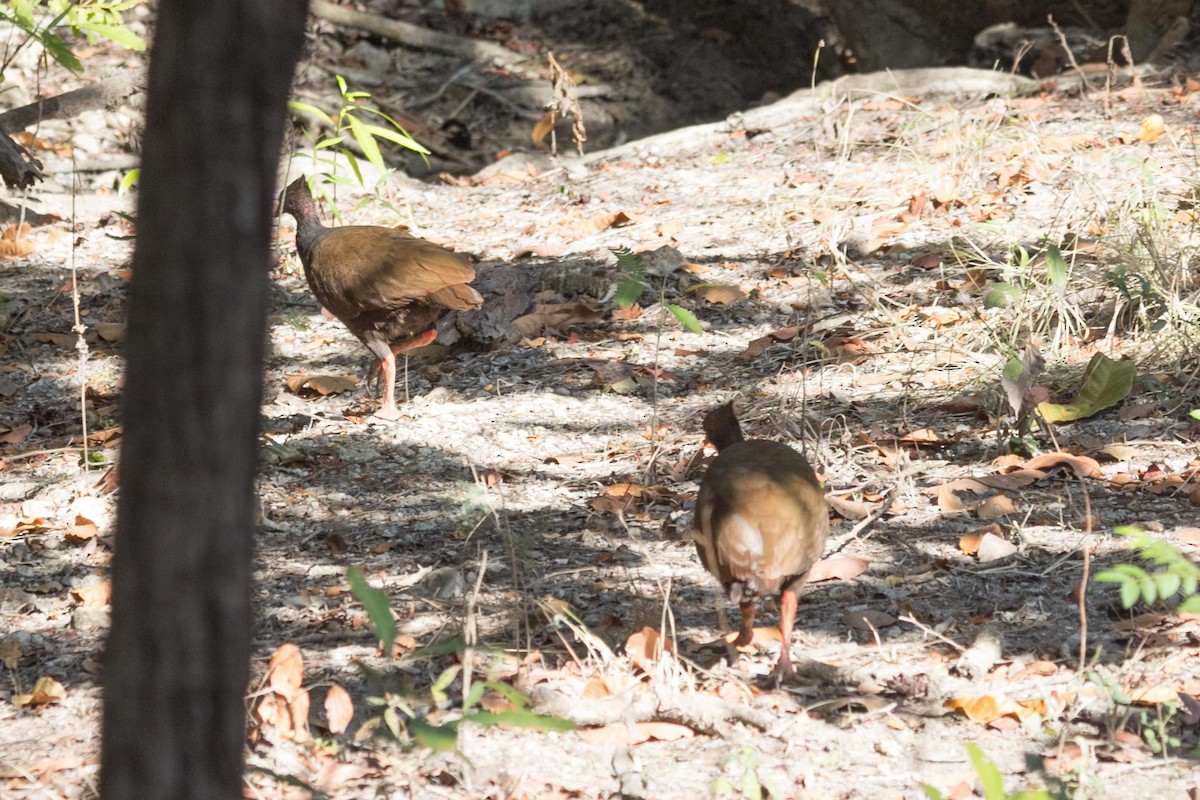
863,267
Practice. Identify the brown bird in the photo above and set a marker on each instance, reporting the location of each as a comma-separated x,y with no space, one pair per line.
760,524
387,287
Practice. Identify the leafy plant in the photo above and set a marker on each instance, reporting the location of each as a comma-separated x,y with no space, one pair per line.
1178,575
633,285
992,782
1159,727
90,20
408,716
753,780
357,121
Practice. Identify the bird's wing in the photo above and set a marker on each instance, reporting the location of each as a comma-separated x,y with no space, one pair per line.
369,269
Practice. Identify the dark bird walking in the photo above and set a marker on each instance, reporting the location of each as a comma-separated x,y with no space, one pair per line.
387,287
760,524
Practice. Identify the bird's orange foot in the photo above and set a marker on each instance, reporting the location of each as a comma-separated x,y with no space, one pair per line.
387,413
746,642
783,673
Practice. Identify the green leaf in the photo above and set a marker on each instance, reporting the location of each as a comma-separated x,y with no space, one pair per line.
1129,594
629,262
59,51
1149,590
309,108
1001,295
1056,266
438,738
400,138
128,180
520,719
439,687
1104,384
512,695
366,142
751,788
341,82
117,34
379,610
395,724
353,160
1191,605
442,648
628,292
1167,583
475,695
623,386
1013,369
685,318
932,793
989,776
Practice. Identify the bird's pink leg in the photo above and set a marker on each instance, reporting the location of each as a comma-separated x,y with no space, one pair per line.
788,600
388,409
746,632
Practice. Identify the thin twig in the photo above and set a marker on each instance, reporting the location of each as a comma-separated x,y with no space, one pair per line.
931,632
1083,582
1062,40
471,630
81,345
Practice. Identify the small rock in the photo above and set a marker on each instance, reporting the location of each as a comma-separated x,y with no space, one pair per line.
979,659
17,490
443,584
87,620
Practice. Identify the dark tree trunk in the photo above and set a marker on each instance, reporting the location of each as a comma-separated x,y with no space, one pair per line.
176,667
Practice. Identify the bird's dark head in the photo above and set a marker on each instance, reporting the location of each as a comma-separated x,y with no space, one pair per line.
297,199
722,428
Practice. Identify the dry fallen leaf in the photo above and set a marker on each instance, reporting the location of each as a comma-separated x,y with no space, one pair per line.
547,317
602,686
14,243
339,708
286,670
629,312
81,530
1152,128
65,340
949,502
10,653
989,708
321,384
1082,466
95,595
759,345
1154,695
111,331
996,507
718,293
600,222
840,567
16,435
45,691
645,648
849,509
621,734
868,619
969,543
993,547
1187,535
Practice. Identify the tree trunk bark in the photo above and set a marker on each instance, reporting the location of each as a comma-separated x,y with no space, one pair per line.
176,667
